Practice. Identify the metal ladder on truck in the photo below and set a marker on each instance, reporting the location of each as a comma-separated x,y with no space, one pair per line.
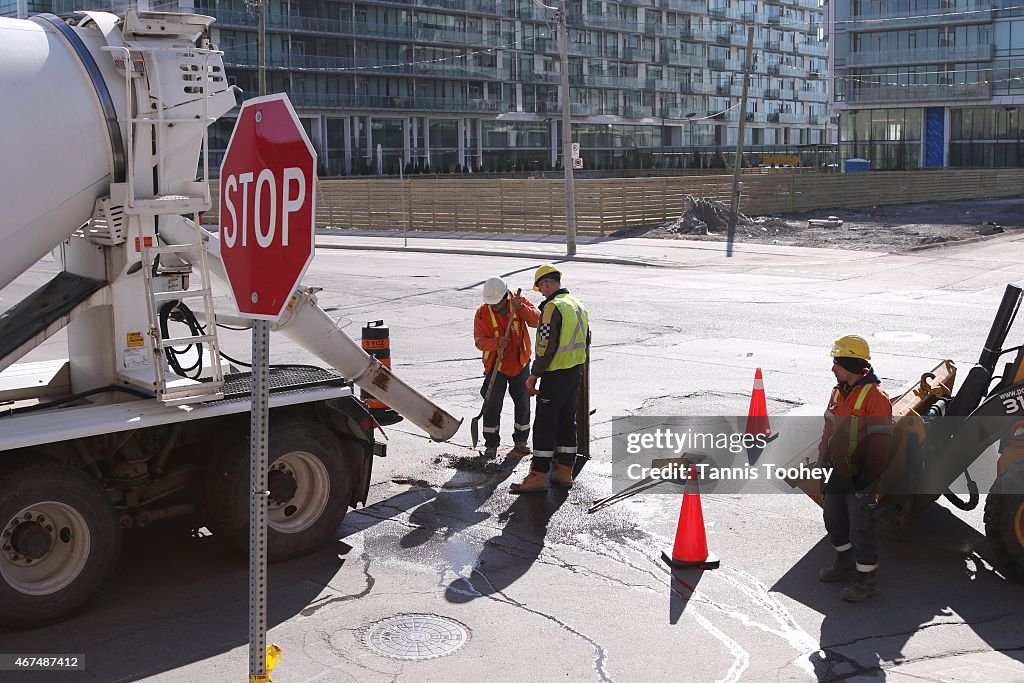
166,283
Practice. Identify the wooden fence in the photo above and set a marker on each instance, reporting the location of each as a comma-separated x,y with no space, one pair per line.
604,206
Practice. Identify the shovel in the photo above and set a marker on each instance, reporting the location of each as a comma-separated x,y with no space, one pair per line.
474,426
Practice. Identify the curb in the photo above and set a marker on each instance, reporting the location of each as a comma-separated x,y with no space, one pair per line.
956,243
542,256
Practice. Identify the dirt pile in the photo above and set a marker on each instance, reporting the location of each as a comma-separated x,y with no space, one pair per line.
703,216
892,228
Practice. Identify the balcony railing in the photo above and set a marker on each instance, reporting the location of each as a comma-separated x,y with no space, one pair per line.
787,118
637,111
433,69
682,59
691,6
634,54
696,88
811,95
966,12
816,48
376,102
930,93
928,55
608,81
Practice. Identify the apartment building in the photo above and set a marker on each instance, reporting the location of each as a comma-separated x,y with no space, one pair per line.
475,84
929,83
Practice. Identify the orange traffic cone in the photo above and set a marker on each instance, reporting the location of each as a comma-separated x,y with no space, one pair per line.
757,415
690,550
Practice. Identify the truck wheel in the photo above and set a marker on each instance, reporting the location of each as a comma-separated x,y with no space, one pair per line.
310,488
1004,521
60,540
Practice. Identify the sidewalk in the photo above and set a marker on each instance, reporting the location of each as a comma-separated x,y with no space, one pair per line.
638,251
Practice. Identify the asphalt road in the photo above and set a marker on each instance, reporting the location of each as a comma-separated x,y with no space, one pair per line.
538,589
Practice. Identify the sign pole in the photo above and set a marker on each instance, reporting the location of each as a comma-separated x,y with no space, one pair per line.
259,414
267,228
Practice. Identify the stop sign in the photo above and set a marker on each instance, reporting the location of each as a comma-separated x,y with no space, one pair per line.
267,206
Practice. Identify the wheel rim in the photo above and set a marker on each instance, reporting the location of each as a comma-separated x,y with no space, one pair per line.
299,490
45,547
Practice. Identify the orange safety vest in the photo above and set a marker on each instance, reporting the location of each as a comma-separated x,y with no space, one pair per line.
489,326
851,420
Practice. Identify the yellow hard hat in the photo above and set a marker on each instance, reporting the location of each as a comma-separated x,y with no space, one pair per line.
546,269
851,346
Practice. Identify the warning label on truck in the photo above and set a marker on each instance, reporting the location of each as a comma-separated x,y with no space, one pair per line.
135,340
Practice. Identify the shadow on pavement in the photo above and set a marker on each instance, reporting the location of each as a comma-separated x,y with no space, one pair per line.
172,601
506,557
931,573
455,508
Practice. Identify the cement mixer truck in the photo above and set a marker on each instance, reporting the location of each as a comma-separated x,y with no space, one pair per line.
104,133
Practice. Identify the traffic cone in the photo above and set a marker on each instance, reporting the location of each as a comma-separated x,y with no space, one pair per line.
757,414
690,550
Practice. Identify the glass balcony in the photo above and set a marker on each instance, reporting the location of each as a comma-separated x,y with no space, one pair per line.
929,55
691,6
634,54
682,59
810,95
965,12
550,77
930,93
816,48
431,69
637,111
606,81
378,102
696,88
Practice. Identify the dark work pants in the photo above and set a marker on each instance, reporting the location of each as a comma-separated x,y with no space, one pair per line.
850,522
516,387
554,427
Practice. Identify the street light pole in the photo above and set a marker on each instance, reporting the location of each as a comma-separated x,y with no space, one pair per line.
738,164
570,189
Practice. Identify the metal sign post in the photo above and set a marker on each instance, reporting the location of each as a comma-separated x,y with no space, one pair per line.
266,244
259,417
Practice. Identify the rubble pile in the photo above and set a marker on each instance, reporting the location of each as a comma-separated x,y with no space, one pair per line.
704,216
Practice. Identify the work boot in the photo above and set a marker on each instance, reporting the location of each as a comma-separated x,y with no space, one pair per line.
562,476
521,448
862,589
534,482
841,570
490,453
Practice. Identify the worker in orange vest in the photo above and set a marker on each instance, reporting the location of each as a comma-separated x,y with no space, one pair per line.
855,443
513,355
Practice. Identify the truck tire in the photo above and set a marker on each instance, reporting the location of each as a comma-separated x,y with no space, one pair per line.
1004,521
60,540
310,489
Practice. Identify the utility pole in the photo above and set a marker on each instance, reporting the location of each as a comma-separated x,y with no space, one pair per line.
261,44
570,188
738,164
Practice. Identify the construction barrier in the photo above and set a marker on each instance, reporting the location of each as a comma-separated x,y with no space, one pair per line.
607,205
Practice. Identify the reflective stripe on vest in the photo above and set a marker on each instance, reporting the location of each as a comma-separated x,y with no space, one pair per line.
572,338
857,405
494,324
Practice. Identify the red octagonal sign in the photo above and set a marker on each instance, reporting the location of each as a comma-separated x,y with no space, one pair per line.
267,206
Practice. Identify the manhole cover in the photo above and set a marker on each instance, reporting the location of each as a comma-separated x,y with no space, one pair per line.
416,636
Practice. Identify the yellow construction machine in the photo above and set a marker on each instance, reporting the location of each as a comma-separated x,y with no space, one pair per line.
938,434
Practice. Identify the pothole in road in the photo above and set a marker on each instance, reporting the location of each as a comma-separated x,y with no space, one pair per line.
416,636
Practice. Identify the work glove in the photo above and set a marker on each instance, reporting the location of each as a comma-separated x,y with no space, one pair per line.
502,343
531,385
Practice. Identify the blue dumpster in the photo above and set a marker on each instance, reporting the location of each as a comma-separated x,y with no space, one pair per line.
856,165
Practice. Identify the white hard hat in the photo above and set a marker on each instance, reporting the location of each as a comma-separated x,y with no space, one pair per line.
495,290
